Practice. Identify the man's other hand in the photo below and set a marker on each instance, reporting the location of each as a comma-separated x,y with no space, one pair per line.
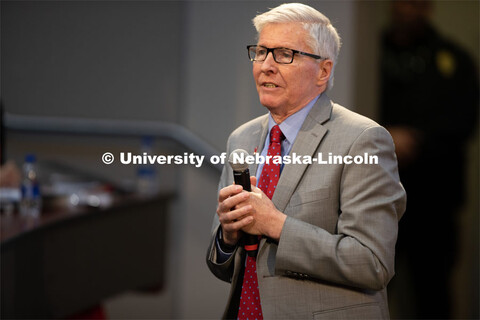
233,219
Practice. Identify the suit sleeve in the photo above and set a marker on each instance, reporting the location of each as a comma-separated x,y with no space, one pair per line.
361,251
224,270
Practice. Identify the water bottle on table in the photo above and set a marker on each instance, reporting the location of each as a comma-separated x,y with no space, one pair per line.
147,185
31,201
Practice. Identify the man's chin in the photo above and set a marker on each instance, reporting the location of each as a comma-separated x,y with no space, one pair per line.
271,108
269,104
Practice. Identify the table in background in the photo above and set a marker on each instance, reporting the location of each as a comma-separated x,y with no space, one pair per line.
70,260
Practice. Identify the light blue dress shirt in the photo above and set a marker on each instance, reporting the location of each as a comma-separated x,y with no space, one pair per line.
289,128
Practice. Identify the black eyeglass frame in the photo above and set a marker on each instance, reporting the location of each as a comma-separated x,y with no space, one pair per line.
273,54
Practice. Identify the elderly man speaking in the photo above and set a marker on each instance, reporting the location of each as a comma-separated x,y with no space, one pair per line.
326,231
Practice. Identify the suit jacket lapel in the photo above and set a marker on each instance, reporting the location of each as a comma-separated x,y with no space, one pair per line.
307,141
258,142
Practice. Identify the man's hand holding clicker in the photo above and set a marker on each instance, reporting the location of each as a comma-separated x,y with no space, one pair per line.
267,219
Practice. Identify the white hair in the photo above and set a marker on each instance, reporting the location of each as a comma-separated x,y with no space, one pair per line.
324,39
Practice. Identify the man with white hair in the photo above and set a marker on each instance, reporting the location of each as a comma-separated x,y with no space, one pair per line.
326,231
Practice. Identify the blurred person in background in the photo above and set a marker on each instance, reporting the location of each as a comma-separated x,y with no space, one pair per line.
429,103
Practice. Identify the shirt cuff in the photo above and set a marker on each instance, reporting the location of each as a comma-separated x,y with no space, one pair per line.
223,252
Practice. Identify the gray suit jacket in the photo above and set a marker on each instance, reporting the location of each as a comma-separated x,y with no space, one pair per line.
336,252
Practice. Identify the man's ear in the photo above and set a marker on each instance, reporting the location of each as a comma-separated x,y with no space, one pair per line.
324,72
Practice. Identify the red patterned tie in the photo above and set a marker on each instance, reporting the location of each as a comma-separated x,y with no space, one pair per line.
250,307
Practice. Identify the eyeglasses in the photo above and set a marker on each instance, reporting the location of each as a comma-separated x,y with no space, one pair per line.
280,55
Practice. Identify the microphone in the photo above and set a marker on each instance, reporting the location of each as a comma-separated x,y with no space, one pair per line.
241,176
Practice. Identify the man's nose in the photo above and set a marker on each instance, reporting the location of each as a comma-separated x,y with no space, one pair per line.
269,63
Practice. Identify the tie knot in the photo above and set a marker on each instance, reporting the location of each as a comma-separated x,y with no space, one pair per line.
276,134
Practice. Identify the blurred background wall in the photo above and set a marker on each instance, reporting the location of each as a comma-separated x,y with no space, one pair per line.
186,62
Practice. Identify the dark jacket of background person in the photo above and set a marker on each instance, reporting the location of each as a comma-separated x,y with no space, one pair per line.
429,102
